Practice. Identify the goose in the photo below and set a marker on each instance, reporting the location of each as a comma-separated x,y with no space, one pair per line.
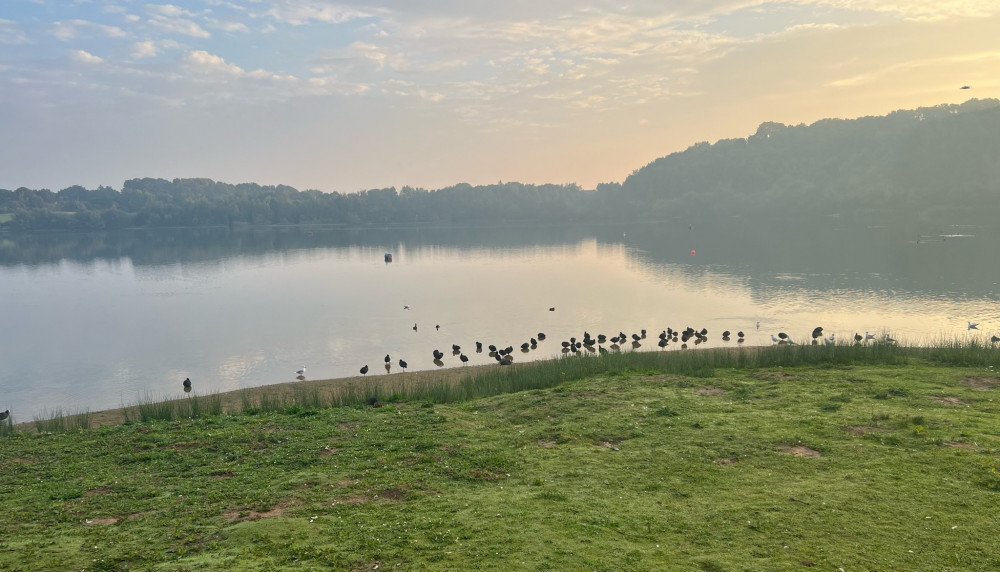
364,370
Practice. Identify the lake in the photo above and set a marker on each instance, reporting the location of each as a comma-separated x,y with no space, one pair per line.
95,321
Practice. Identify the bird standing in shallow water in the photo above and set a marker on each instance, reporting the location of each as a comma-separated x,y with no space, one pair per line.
364,370
972,325
301,372
187,384
402,364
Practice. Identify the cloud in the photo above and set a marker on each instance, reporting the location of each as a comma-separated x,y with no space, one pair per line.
11,33
67,30
175,20
301,12
84,57
146,49
204,62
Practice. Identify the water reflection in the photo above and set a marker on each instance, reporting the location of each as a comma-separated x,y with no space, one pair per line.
104,319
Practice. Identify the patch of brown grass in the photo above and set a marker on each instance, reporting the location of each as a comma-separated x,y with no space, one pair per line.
710,391
980,383
799,451
950,401
726,461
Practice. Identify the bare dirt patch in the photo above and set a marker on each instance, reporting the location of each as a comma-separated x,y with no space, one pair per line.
859,430
397,493
373,565
980,383
959,445
710,391
277,511
97,491
101,521
546,444
951,401
222,476
799,451
346,483
772,375
726,461
327,451
182,445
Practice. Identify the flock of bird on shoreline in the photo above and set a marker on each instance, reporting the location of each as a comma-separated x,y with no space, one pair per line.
504,355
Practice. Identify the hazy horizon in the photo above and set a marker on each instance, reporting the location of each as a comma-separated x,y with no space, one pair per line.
338,96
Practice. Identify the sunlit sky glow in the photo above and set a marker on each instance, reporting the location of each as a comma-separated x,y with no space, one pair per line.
342,96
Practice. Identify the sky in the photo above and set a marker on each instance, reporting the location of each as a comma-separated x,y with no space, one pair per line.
342,96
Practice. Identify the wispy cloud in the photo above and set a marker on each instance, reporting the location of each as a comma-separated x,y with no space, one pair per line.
84,57
11,33
67,30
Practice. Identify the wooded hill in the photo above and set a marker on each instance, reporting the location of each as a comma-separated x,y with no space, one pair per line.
932,162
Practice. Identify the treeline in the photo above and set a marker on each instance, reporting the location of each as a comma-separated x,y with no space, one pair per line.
927,162
203,202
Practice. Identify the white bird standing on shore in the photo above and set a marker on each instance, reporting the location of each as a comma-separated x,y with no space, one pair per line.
301,372
869,336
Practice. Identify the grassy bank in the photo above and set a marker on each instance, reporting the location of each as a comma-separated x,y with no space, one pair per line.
853,457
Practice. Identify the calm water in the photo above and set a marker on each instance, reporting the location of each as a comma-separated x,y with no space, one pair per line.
97,321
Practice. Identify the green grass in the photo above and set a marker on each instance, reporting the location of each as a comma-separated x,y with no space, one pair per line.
648,461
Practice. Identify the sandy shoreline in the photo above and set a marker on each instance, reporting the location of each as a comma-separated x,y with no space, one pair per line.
233,400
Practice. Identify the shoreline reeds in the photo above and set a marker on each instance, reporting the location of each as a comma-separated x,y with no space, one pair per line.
494,380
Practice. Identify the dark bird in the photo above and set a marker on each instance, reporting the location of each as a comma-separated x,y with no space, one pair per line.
187,384
725,334
565,344
437,327
456,348
541,336
994,339
552,309
739,334
402,364
4,415
533,341
479,347
493,348
858,337
783,335
636,337
525,346
405,307
966,87
438,354
364,370
464,359
414,327
643,332
817,332
387,360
